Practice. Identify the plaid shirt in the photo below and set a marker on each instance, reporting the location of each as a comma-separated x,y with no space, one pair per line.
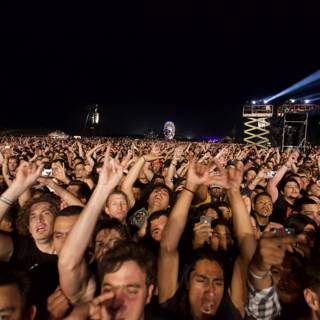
262,304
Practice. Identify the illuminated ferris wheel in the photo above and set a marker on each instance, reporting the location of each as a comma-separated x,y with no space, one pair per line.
169,130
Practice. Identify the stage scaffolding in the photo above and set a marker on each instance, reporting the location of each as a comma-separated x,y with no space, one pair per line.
295,124
257,123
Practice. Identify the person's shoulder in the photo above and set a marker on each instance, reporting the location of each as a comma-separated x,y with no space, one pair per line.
21,240
158,313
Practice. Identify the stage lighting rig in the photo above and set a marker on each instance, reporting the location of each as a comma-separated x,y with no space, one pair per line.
257,123
92,119
295,122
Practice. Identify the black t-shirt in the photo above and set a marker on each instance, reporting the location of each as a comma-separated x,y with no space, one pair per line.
226,311
45,279
153,311
26,255
282,210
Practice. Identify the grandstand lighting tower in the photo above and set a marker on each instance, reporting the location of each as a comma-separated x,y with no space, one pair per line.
257,122
92,119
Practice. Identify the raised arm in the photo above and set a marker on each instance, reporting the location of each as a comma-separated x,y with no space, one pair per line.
272,183
172,168
147,171
133,174
168,262
262,292
60,173
61,192
231,180
72,266
80,149
5,172
26,176
90,153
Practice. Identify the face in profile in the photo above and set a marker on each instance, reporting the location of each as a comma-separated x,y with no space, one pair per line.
157,226
312,211
206,288
287,277
129,292
226,212
62,228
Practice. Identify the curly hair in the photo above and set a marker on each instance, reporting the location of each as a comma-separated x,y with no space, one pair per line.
24,213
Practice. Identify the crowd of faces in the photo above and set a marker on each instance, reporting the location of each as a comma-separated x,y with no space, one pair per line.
210,224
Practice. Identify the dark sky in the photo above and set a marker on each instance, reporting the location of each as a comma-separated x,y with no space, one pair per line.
194,63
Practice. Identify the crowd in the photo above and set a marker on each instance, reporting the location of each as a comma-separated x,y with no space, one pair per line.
101,228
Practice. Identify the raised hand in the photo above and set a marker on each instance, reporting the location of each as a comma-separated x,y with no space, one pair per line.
262,173
230,178
272,226
125,161
154,154
57,304
59,172
27,175
198,173
271,251
293,158
111,172
98,307
178,153
202,233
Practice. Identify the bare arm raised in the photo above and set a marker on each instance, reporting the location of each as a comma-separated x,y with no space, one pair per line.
72,266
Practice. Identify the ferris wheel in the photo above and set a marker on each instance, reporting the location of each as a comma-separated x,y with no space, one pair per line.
169,130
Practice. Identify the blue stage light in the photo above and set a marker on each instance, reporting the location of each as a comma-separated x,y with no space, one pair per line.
254,101
302,84
292,100
314,99
306,101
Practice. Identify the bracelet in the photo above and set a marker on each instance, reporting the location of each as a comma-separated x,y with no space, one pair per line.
257,277
188,190
6,201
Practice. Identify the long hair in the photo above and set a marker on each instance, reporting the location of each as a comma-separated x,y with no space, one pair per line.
182,294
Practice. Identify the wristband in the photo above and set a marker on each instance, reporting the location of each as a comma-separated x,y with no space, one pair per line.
188,190
257,277
6,201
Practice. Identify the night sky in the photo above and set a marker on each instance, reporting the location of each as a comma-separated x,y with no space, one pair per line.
194,63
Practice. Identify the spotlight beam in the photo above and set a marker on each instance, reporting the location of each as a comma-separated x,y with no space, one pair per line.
297,86
314,99
311,96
